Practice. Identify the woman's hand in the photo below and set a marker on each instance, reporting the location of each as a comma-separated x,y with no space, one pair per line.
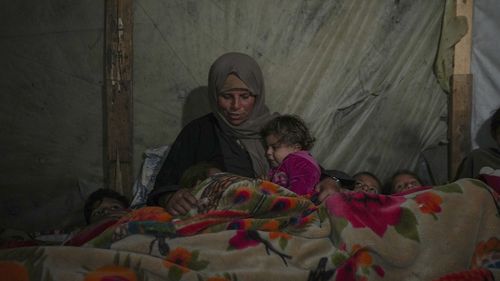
179,203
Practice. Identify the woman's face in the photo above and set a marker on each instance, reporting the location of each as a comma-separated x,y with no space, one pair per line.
236,105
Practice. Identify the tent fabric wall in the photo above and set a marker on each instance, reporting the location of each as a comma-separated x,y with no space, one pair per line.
360,73
51,54
51,99
485,66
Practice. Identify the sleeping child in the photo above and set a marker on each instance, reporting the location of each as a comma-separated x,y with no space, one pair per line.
198,173
288,141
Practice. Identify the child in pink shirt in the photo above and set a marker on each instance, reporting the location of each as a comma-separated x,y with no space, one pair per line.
288,141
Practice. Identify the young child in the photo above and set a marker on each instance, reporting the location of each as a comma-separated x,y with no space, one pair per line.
198,173
105,204
403,180
103,208
367,182
288,141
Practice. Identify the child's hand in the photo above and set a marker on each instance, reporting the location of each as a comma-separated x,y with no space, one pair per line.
327,187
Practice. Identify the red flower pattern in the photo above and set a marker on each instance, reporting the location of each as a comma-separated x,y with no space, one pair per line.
242,196
180,258
283,204
242,240
347,272
360,258
147,214
362,209
239,224
429,202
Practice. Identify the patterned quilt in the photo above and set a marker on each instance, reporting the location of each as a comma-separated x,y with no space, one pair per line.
248,229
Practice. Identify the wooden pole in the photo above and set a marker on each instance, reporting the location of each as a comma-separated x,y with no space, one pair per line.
460,102
118,58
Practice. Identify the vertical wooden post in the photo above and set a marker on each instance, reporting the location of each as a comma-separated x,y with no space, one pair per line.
459,121
461,96
118,95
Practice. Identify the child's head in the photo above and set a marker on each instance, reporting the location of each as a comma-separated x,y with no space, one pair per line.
495,126
285,134
197,173
403,180
104,204
367,182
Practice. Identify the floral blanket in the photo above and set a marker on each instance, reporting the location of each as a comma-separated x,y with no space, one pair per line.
247,229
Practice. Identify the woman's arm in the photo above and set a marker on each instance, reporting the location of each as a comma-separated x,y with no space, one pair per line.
195,143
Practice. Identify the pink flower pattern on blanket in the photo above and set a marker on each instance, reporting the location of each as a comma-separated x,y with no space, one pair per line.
242,240
374,211
260,231
359,264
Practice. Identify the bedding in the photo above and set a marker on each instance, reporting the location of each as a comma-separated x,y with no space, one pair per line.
248,229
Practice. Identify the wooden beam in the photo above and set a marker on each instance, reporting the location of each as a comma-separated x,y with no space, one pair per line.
461,61
460,102
459,121
118,95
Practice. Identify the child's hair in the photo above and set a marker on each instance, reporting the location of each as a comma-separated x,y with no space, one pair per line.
399,173
404,172
195,173
289,129
495,123
366,173
98,196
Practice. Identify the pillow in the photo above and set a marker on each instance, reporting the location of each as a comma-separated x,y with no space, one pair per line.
144,184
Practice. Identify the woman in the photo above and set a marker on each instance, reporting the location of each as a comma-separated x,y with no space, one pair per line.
228,136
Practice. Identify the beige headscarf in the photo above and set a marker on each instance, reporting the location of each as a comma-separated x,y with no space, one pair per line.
248,133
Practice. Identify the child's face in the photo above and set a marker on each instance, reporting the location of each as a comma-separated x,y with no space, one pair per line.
404,182
277,151
366,183
107,208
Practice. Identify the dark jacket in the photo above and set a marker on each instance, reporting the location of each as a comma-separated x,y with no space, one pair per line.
200,141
